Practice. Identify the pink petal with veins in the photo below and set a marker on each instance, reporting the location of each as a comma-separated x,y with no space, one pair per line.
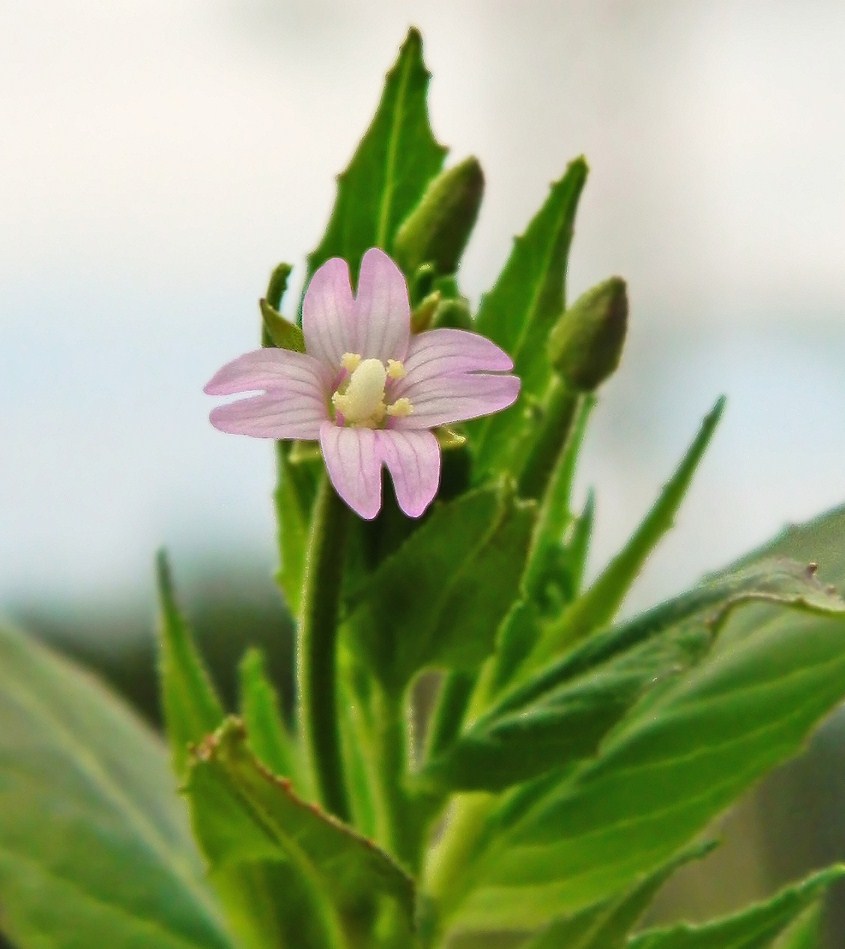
413,460
328,321
448,399
444,352
271,416
382,310
289,372
354,466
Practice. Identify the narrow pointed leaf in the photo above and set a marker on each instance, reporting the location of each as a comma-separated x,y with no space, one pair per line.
756,927
247,820
520,311
608,924
432,603
269,738
675,763
94,846
390,169
600,602
562,714
191,706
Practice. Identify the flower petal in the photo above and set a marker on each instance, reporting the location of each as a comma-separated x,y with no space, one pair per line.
443,400
413,460
448,351
272,415
354,466
327,313
280,369
382,310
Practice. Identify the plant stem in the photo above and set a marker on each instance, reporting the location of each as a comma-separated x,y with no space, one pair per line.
317,648
447,880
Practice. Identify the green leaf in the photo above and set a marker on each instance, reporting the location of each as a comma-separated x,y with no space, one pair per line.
603,598
670,767
520,311
280,332
542,574
607,924
432,603
753,928
323,884
269,738
561,714
191,706
294,497
390,169
94,846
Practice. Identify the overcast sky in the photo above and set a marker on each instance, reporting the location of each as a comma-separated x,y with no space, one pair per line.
159,158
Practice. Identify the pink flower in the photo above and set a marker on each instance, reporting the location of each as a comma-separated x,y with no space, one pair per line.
365,387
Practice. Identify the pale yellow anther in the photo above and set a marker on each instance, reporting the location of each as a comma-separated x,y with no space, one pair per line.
395,369
401,408
350,361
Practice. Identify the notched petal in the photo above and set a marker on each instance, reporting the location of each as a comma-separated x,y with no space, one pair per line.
327,313
354,466
413,460
382,309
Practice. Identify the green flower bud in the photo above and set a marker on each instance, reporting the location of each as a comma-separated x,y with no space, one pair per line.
438,229
423,315
454,314
586,343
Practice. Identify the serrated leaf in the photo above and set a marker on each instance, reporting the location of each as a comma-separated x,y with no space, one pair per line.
247,820
607,924
390,169
519,312
600,602
756,927
191,706
269,738
432,603
94,845
562,714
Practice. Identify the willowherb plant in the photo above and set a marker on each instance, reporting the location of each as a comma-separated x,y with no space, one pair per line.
559,767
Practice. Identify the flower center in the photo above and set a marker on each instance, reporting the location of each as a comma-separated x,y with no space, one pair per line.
361,399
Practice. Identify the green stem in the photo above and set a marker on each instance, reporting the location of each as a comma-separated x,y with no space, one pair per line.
317,648
447,879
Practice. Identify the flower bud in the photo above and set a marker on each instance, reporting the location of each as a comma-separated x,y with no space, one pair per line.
586,343
454,314
438,229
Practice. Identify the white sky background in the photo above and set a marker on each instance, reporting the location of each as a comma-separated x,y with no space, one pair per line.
159,158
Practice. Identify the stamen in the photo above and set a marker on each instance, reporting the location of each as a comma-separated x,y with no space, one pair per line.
395,369
350,361
401,408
